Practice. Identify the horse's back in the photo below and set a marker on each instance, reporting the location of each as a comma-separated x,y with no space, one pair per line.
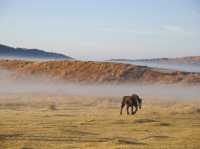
127,100
135,96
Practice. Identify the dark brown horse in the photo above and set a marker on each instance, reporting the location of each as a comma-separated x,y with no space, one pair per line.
131,101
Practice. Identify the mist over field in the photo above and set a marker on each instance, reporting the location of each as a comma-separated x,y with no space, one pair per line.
35,84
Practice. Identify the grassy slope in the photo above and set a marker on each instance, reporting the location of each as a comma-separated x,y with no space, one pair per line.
96,72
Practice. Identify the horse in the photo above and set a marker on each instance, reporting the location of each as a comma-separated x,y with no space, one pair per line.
130,101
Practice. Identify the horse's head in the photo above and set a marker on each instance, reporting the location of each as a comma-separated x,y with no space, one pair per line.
140,102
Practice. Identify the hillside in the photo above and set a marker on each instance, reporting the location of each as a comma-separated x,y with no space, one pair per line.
22,53
97,72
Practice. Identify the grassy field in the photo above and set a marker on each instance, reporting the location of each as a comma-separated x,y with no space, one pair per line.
61,122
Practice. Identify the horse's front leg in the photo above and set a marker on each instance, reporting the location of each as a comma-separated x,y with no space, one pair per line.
136,108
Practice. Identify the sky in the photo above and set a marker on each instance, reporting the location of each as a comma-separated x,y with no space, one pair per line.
103,29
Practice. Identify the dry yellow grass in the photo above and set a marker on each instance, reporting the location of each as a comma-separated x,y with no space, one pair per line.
28,122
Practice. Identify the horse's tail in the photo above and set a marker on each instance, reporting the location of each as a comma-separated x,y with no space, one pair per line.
123,101
122,104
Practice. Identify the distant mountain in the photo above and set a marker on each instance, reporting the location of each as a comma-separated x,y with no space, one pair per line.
23,53
179,60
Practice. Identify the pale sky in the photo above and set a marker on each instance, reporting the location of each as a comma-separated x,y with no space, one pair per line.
103,29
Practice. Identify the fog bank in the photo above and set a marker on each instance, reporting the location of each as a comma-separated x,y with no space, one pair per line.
35,85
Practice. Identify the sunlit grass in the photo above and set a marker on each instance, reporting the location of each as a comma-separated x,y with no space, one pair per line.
33,122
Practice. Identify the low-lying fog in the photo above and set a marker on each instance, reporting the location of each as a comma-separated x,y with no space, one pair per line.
36,85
